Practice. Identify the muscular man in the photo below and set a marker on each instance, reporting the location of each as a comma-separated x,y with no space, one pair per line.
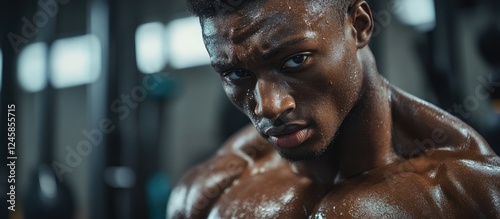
331,138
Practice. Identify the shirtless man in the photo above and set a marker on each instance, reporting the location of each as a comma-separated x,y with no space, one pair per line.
331,138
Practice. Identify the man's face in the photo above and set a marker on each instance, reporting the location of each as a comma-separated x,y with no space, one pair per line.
291,67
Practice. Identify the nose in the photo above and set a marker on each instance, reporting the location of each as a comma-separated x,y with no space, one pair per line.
272,100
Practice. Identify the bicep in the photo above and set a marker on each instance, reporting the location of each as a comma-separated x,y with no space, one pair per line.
177,202
201,187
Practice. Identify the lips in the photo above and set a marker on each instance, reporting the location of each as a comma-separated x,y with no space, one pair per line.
290,138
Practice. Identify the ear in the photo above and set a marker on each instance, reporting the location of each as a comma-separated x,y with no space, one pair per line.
361,20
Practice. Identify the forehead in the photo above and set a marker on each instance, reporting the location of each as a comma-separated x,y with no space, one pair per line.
266,21
272,10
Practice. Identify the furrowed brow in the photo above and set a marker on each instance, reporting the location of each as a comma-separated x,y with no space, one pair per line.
222,66
282,47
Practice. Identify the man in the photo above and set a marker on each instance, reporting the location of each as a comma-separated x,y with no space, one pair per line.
330,137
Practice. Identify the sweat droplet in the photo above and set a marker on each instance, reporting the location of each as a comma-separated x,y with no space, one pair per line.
289,7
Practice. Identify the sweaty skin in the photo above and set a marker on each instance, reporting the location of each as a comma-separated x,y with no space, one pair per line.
331,138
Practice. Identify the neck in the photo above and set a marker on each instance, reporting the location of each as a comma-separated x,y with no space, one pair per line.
364,140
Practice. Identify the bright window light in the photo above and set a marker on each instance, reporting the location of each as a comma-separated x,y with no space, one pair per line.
185,43
420,14
149,47
31,67
75,61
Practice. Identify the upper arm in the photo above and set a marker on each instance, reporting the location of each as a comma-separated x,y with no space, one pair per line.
201,187
178,201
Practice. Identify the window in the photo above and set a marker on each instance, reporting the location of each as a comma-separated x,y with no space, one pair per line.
32,68
149,47
419,14
75,61
185,43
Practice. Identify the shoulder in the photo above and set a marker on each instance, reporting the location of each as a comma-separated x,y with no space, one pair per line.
421,126
202,185
472,182
435,186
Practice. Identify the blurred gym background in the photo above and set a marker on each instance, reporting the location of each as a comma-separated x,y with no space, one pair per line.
115,100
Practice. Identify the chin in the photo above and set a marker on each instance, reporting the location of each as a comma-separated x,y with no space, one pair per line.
302,153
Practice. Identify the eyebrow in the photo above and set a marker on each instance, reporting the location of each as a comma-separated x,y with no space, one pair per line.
282,47
267,55
222,66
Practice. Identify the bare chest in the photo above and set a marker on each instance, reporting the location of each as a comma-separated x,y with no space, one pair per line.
280,193
273,194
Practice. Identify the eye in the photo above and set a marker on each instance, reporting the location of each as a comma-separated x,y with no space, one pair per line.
295,61
235,75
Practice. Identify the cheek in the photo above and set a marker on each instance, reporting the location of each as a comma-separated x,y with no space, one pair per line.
240,98
332,89
344,79
233,94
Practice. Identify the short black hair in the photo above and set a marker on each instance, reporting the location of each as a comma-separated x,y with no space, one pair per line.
210,8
